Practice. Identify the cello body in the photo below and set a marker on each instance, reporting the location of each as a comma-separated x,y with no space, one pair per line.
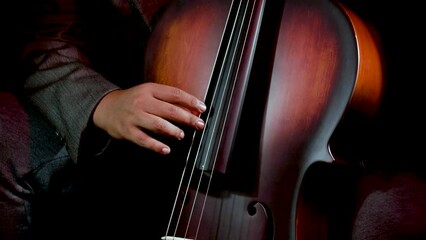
293,83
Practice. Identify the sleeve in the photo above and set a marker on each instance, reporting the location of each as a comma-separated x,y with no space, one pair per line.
59,80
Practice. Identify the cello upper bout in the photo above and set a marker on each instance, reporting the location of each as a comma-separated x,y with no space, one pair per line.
183,45
370,80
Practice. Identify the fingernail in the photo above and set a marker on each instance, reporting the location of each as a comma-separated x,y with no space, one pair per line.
165,150
200,124
181,135
202,106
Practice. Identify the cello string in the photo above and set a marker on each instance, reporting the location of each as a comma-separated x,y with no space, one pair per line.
239,38
219,96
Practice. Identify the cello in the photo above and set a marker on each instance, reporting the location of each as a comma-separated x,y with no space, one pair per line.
279,78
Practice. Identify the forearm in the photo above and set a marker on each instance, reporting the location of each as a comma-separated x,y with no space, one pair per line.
60,82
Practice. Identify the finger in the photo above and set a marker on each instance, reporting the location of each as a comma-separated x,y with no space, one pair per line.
178,96
175,113
146,141
159,125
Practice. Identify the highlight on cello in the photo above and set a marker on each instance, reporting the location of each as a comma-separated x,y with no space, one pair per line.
279,79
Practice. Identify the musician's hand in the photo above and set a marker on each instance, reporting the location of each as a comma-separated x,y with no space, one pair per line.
128,114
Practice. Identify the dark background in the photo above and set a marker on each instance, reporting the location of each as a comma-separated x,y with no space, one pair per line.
396,138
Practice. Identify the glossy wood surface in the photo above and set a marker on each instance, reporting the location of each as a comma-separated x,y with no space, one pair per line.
325,63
